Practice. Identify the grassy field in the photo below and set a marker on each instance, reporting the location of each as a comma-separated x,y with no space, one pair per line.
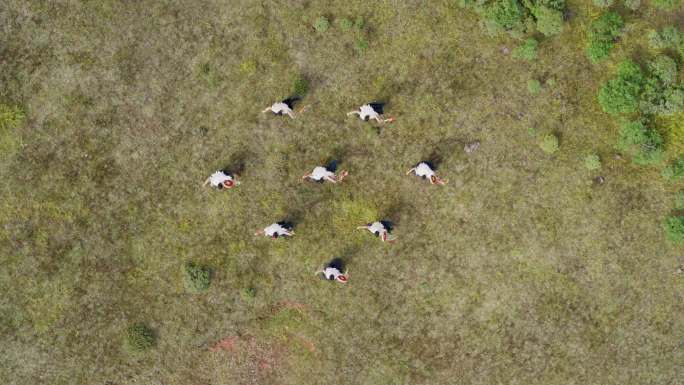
522,270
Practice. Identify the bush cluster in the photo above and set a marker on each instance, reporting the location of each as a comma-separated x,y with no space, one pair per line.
675,170
592,162
139,337
667,4
674,228
639,139
668,38
518,17
527,50
603,32
549,143
196,278
656,92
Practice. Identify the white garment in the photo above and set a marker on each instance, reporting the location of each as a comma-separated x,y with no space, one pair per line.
376,227
319,173
218,178
366,111
331,273
280,107
275,229
424,170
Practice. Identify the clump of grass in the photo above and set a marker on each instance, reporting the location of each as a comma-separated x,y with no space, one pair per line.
321,24
674,171
592,162
642,141
527,50
549,143
210,75
359,23
603,32
248,67
534,86
10,117
300,86
674,228
139,337
621,94
346,24
679,200
196,278
361,45
632,4
603,3
666,4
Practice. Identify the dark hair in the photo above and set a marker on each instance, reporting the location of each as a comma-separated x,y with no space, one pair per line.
220,186
366,118
377,233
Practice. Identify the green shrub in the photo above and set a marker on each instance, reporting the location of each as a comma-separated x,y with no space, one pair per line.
603,32
504,15
674,228
300,85
679,200
321,24
549,143
196,278
660,94
621,94
533,86
667,4
641,141
527,50
668,37
361,45
633,4
359,23
10,117
674,171
139,337
346,24
549,21
603,3
592,162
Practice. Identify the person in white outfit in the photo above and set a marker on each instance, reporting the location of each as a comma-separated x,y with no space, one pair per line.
380,229
222,179
371,111
282,108
275,230
321,174
333,272
426,171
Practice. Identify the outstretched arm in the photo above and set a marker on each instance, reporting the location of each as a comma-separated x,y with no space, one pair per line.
290,113
306,176
206,182
362,227
266,110
288,233
411,170
354,113
439,181
330,179
259,232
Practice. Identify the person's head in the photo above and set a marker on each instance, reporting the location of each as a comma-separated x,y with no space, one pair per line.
229,183
342,278
433,178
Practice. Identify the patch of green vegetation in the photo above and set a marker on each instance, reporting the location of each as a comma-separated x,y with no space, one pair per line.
642,141
603,3
361,45
210,75
11,117
549,143
667,4
674,171
196,278
518,17
321,24
621,94
534,86
527,50
139,337
603,32
679,200
632,4
346,24
674,228
300,86
592,162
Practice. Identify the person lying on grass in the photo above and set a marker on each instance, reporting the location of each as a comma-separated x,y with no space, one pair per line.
275,230
381,229
425,170
321,174
222,179
282,108
333,272
371,111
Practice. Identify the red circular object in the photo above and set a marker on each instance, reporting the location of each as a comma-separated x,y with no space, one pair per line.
342,278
